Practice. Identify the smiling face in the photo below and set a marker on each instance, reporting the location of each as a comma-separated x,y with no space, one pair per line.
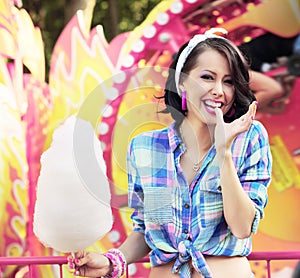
208,85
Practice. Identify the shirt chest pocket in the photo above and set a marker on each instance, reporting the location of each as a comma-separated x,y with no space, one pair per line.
158,205
211,203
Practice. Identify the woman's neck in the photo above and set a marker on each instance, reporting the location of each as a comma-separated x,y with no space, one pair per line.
200,135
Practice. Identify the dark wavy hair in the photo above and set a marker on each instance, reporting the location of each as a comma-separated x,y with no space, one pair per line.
239,68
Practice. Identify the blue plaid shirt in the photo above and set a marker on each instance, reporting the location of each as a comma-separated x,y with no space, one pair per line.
183,222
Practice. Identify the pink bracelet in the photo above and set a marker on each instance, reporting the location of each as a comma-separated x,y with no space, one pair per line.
118,261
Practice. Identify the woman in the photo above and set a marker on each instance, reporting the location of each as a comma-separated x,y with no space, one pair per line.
199,186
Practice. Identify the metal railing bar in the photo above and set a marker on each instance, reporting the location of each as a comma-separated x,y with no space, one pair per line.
62,260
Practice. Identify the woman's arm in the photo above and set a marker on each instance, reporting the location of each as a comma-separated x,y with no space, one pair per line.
134,247
239,210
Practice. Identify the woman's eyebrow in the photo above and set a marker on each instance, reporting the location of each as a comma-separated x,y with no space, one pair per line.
226,75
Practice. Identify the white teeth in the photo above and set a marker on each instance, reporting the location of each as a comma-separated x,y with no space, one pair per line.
213,104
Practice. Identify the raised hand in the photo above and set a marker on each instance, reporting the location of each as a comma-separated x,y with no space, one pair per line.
226,132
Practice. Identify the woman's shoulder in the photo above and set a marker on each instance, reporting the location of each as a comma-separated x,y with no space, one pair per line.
256,134
258,129
253,143
154,133
148,137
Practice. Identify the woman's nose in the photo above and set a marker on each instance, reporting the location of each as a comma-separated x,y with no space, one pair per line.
217,89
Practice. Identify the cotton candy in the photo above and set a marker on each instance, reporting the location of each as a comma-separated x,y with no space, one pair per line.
72,209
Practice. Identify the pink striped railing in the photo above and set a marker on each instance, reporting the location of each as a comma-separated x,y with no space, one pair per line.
62,260
32,261
274,256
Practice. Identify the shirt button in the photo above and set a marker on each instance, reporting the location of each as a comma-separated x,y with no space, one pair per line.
185,231
219,188
186,206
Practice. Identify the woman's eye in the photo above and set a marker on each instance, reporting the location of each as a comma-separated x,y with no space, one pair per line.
228,81
207,77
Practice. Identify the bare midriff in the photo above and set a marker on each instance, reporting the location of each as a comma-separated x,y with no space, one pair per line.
221,267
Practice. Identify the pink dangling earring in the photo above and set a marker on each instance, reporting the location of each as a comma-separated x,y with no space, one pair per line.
183,101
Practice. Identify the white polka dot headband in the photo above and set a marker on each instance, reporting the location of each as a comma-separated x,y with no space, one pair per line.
191,45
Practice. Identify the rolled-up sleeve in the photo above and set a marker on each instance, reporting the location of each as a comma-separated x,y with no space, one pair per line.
135,192
256,169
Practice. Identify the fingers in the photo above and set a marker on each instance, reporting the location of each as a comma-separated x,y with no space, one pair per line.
250,115
252,109
78,254
219,114
81,258
71,263
75,261
246,120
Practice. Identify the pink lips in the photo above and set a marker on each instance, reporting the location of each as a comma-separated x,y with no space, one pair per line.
210,105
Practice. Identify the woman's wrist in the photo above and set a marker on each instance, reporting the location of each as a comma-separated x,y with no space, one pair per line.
109,266
224,154
117,263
